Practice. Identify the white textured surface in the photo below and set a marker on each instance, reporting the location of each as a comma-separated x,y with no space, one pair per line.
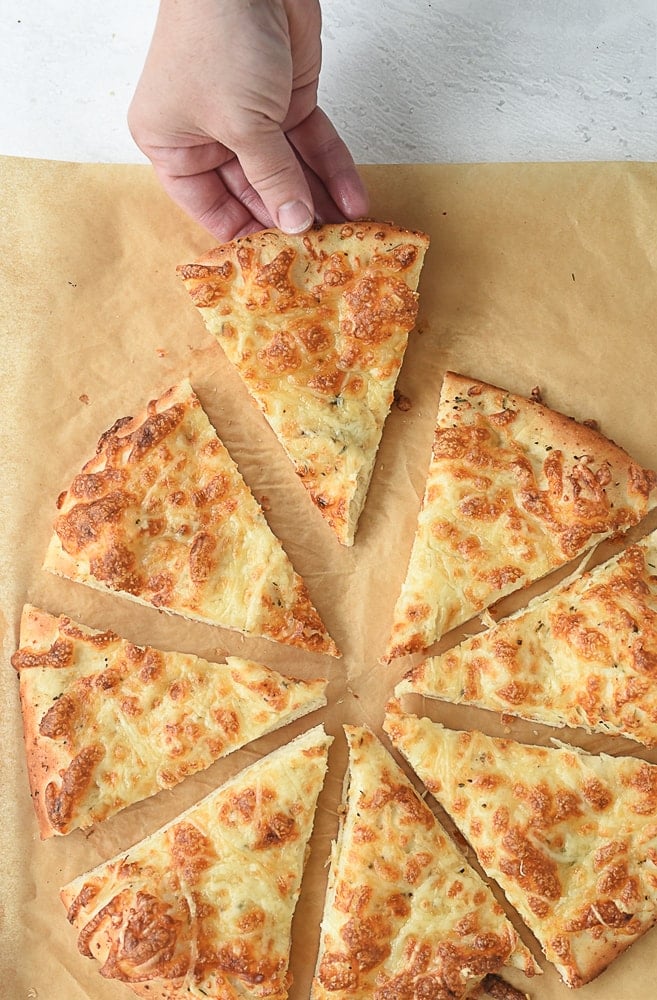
403,80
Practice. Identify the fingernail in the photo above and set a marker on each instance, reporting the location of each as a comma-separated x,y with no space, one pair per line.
294,217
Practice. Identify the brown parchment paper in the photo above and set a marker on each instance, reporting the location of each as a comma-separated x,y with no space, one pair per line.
536,275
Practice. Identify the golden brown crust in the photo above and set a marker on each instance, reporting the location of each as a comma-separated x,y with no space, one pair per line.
405,915
584,654
570,837
182,907
317,326
514,491
179,712
162,515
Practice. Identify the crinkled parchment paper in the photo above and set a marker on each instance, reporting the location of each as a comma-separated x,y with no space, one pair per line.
537,275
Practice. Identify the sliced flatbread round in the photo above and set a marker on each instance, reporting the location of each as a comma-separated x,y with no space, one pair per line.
162,515
317,326
570,837
514,491
203,906
405,914
584,654
108,723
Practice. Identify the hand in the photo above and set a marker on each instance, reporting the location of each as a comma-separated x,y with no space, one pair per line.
226,110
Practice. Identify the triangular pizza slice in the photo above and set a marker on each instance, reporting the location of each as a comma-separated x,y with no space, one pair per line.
161,514
570,837
108,723
317,326
405,914
203,907
514,490
584,654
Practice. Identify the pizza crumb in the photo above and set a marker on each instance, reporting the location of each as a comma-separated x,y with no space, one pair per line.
265,502
536,394
161,352
84,399
593,424
402,402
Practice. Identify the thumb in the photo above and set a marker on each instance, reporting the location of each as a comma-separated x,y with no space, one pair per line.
273,170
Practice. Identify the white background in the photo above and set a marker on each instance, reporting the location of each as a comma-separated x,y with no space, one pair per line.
403,80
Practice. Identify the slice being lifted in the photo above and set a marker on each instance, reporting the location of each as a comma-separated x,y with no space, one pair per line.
203,906
317,326
108,723
584,654
570,837
405,914
161,514
514,491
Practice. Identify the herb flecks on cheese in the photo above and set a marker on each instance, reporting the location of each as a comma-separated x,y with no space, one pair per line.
317,326
203,906
514,491
161,514
570,837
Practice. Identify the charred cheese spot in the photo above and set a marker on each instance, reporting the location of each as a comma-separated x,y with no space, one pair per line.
192,852
153,431
84,524
597,794
377,306
94,485
337,972
61,801
60,654
314,337
532,869
275,830
117,567
146,945
201,557
362,936
59,721
281,355
603,912
227,719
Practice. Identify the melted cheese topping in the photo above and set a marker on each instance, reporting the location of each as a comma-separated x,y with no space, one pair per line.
405,915
162,514
204,905
570,837
582,655
514,490
317,327
108,723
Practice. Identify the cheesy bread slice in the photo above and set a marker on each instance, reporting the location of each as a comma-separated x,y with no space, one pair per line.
317,326
570,837
203,906
514,491
405,914
108,723
584,654
162,515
